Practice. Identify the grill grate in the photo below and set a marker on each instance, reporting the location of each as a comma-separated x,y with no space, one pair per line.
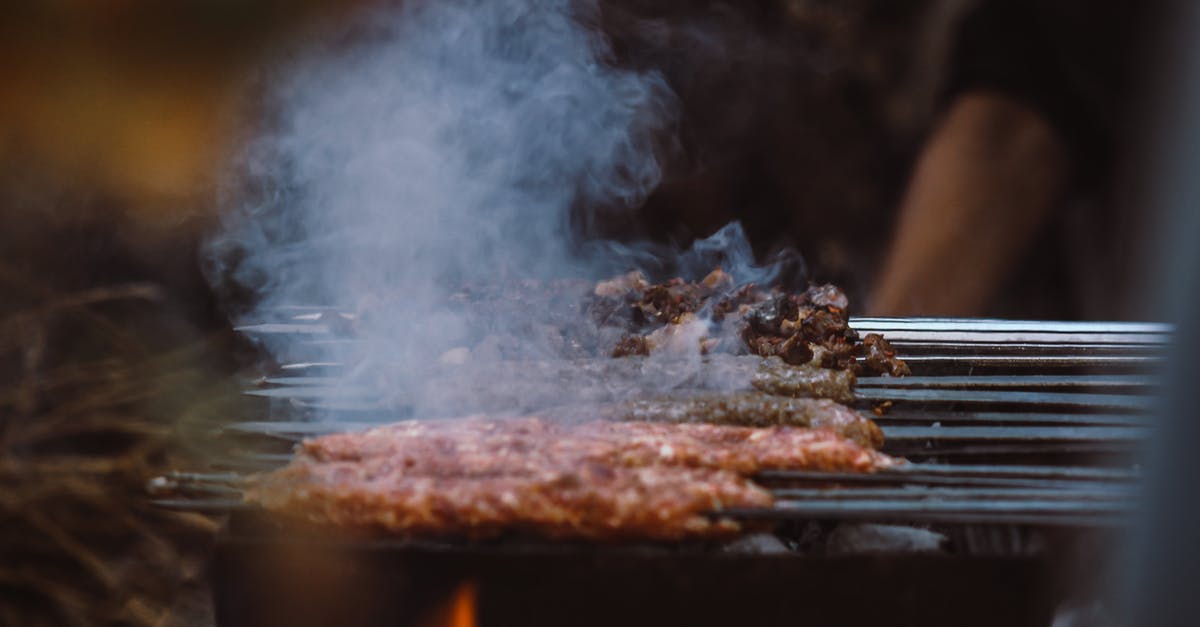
1007,422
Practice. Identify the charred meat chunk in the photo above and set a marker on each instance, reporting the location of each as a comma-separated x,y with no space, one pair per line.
811,327
880,357
518,320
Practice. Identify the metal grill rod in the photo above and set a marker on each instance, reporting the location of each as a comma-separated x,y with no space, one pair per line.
940,482
963,361
1066,514
901,415
894,435
314,313
1066,381
368,397
1075,514
996,325
937,474
953,351
951,494
947,356
1119,402
902,512
1031,338
1039,477
896,330
1032,361
196,486
1033,381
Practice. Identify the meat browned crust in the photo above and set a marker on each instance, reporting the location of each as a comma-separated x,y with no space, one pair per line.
480,477
776,377
592,501
750,410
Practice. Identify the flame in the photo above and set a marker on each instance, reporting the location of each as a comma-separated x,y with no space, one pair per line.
462,606
459,610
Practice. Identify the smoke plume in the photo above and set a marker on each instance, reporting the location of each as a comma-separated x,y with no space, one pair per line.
434,144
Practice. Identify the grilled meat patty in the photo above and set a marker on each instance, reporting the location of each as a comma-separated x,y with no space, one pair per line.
749,410
479,477
591,501
532,386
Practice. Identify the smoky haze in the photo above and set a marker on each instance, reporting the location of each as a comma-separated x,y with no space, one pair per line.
433,144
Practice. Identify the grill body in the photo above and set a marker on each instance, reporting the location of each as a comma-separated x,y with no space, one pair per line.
1021,433
264,576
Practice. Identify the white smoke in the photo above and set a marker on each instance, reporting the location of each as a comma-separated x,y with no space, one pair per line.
430,144
437,144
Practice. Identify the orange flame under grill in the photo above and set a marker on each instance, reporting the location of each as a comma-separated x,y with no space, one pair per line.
459,610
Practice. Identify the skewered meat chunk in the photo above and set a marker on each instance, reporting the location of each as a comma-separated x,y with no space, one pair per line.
881,357
597,480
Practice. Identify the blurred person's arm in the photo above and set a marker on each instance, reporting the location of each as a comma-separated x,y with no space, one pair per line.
983,186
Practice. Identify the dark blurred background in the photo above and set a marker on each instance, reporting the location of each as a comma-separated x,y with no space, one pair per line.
934,157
